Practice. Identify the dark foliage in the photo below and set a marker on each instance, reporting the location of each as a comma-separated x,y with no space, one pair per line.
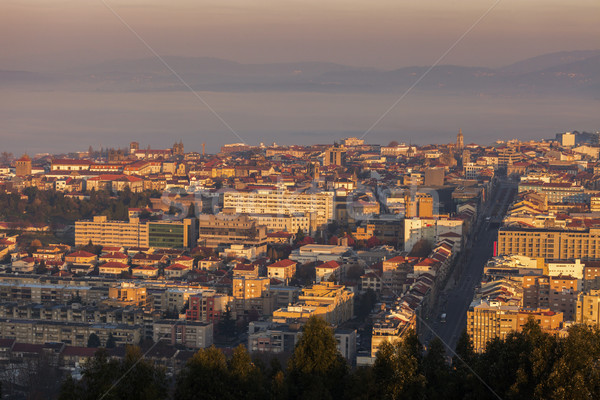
131,378
42,206
530,364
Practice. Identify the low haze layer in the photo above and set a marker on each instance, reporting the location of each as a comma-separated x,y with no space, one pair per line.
75,73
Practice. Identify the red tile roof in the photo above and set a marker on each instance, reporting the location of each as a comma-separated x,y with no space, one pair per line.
79,351
329,264
145,268
115,264
115,255
283,263
177,267
81,253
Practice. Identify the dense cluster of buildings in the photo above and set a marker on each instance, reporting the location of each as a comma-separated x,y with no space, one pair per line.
548,253
262,238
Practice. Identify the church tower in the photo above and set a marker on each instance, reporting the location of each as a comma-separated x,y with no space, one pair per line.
23,166
133,147
460,140
178,148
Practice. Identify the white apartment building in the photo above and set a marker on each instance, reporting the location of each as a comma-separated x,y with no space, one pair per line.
472,170
111,233
429,229
289,223
133,233
318,206
572,268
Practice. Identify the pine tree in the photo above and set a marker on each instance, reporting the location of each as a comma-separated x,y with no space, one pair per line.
69,389
299,235
99,375
93,340
576,372
463,383
316,368
111,342
227,324
436,370
398,371
246,378
204,376
142,379
131,378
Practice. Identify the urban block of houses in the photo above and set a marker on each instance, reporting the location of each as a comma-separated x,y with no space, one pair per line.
113,268
144,271
175,271
327,270
283,270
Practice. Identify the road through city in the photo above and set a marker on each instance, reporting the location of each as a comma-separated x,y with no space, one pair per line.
456,297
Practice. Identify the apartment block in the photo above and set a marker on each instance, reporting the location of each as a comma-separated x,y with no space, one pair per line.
134,233
250,288
390,330
327,271
334,303
557,293
550,244
190,334
72,333
174,299
588,308
419,205
335,155
558,192
129,294
595,203
430,229
268,337
228,228
319,206
283,270
248,270
27,292
572,268
563,295
207,307
284,222
172,234
101,231
489,320
102,314
536,291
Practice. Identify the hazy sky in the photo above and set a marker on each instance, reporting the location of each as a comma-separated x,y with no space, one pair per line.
41,34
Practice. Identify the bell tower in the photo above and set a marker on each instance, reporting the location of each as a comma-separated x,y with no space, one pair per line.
460,140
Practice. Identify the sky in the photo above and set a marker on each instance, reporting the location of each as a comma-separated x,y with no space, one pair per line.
54,35
45,34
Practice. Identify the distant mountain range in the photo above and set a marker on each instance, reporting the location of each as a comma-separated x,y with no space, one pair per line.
563,73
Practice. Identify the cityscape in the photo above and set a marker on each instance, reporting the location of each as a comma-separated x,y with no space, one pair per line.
299,200
173,252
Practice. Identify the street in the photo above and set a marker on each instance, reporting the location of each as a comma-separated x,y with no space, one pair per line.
458,293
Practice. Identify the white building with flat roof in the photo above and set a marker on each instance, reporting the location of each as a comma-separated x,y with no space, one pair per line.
320,252
572,268
318,206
